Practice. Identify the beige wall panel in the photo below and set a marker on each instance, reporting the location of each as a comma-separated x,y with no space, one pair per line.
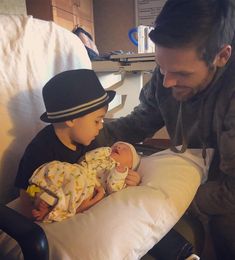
12,7
112,21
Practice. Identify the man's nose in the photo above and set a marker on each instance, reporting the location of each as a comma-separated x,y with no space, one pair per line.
169,80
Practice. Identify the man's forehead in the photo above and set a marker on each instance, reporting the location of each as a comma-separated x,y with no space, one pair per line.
177,59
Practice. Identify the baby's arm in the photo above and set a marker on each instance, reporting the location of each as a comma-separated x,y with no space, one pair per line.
132,179
86,204
116,179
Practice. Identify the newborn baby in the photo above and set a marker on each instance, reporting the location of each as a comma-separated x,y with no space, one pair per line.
60,189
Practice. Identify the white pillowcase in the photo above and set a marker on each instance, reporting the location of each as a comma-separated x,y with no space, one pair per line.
126,224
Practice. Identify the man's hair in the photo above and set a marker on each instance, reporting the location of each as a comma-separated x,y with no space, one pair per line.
205,24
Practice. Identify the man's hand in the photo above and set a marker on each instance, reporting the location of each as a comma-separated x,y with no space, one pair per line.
133,178
98,195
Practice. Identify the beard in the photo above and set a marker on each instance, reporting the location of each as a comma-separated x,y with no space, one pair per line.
184,93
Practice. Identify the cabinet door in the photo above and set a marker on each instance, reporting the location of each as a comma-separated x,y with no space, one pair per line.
63,18
84,9
66,5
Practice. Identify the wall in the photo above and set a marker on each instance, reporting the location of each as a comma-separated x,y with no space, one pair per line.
12,7
112,20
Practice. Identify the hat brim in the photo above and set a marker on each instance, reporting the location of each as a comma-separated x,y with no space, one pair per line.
111,95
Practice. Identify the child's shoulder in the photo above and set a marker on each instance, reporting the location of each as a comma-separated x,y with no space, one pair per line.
45,133
43,137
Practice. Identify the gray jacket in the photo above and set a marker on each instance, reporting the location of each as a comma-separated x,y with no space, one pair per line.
205,121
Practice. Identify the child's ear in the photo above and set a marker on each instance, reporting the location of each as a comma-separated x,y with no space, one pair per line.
69,123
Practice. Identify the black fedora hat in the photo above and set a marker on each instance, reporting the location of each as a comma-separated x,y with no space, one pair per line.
73,93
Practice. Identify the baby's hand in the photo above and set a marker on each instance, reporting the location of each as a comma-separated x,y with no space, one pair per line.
133,178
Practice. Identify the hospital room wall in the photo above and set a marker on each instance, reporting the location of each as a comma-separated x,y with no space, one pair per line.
113,19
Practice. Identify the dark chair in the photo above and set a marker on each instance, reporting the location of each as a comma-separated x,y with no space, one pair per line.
30,236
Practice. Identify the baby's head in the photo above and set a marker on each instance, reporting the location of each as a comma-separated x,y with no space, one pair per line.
76,103
125,154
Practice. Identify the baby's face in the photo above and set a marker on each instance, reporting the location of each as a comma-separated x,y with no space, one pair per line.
122,153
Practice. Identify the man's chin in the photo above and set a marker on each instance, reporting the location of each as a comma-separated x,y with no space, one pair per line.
179,96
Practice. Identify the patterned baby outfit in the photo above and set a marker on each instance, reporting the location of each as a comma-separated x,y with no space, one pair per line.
65,186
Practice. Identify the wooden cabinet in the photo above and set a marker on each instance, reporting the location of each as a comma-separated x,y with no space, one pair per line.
66,13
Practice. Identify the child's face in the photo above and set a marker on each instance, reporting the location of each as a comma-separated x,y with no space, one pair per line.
86,128
122,153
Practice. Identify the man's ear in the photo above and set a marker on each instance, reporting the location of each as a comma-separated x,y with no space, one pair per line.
223,56
69,123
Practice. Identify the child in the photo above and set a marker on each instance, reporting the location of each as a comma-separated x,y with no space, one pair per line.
76,104
59,189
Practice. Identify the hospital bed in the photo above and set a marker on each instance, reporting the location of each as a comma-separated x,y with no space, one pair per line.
125,225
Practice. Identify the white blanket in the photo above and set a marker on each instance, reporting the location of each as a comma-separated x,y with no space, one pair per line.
31,52
126,224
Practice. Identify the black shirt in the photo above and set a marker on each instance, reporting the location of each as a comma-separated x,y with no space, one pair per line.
45,147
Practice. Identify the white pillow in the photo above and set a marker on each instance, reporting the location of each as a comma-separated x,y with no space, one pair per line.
126,224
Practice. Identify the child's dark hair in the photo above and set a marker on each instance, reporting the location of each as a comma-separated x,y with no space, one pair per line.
205,24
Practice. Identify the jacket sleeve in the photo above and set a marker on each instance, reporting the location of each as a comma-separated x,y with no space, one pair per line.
217,196
142,122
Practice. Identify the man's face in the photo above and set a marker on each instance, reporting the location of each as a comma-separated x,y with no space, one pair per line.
183,71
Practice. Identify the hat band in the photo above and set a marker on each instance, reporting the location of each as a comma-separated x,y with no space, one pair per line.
77,109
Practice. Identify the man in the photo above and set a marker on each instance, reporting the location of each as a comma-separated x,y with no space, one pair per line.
192,93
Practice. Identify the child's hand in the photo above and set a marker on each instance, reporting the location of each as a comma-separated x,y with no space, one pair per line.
41,211
99,193
133,178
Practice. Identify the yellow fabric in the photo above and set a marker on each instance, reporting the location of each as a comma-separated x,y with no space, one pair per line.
32,190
